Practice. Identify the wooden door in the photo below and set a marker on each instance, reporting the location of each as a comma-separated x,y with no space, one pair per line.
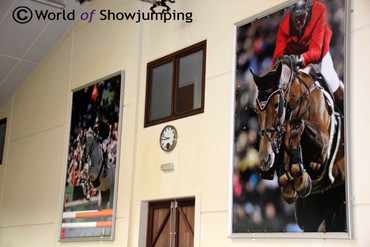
185,223
171,223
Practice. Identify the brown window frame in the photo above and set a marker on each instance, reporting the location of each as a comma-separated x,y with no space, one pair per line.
174,58
3,121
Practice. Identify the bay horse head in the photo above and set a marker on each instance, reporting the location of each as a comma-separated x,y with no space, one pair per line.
271,114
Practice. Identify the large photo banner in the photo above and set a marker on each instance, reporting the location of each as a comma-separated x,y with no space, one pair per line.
289,165
93,161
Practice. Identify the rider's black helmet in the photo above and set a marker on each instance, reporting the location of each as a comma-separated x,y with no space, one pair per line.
102,129
300,8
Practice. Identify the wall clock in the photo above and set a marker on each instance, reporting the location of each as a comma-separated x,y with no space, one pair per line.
168,138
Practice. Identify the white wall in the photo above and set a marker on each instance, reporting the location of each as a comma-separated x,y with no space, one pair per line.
32,175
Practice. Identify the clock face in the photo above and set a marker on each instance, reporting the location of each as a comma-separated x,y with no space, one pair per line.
168,138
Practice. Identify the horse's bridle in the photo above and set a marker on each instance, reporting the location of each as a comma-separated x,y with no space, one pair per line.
276,144
284,112
283,105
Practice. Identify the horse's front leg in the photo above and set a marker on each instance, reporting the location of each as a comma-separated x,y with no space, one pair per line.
302,181
286,180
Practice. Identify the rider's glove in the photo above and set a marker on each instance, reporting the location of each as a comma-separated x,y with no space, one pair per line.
296,60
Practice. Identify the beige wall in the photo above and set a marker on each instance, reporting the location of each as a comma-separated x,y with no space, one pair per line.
32,175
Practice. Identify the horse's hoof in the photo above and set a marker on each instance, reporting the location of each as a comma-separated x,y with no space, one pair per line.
269,175
290,199
305,190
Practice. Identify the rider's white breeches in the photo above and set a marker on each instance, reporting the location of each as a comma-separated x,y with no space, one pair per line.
327,70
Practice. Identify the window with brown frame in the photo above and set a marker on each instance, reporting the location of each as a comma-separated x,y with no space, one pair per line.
175,85
2,138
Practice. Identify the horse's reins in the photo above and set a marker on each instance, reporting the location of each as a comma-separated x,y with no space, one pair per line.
303,96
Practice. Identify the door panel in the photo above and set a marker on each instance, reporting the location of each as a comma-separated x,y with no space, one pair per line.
161,228
159,224
185,226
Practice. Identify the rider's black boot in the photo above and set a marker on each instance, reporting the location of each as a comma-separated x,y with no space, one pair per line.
338,97
340,105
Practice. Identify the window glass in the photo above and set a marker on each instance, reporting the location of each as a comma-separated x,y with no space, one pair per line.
189,87
161,91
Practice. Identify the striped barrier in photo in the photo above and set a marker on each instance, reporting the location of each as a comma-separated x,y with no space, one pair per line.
87,214
87,224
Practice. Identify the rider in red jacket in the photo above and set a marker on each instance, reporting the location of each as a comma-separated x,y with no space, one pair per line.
304,35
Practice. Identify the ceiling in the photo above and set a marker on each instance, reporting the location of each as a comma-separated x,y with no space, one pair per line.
23,46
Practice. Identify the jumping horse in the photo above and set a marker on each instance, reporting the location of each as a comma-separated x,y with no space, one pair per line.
159,3
301,138
97,171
